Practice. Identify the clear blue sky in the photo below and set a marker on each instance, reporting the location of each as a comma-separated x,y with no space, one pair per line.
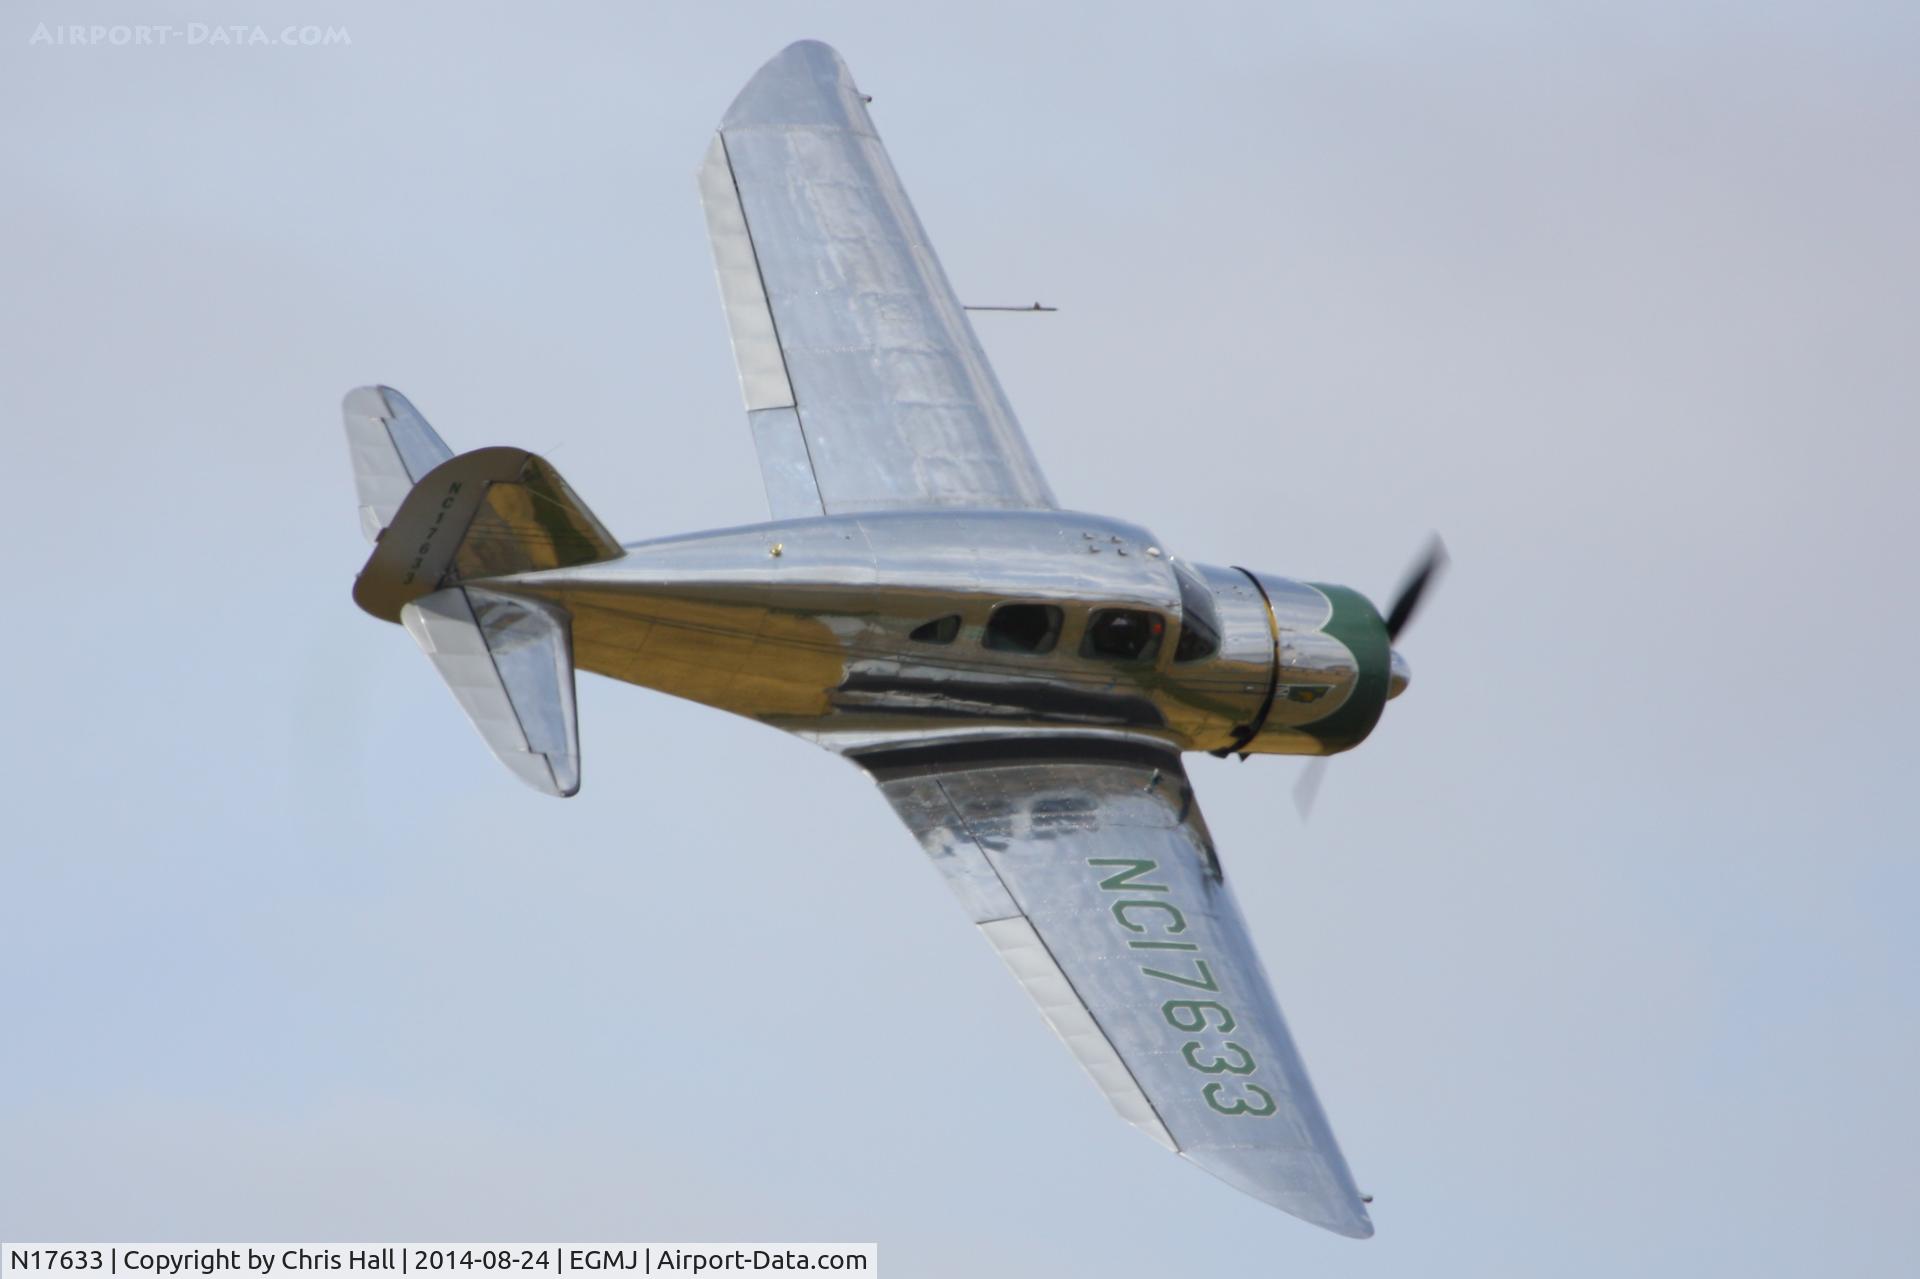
1601,951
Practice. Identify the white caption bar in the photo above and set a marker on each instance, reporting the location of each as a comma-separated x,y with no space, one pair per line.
587,1260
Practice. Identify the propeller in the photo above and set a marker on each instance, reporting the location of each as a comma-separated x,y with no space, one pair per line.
1407,603
1306,788
1413,588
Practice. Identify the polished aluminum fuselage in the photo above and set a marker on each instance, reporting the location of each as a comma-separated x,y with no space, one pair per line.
806,625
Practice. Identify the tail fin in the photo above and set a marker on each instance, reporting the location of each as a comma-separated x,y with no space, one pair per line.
442,526
392,448
490,513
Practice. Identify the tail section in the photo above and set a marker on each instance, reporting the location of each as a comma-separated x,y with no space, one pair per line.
444,526
510,663
490,513
392,448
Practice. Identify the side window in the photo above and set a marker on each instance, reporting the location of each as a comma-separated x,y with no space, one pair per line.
940,630
1023,628
1199,624
1123,634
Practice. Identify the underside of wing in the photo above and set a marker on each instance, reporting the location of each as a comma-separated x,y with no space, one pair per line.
865,386
1087,865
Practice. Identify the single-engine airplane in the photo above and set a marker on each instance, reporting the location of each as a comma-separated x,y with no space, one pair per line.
1018,679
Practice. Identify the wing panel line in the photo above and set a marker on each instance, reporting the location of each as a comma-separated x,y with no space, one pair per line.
1159,1132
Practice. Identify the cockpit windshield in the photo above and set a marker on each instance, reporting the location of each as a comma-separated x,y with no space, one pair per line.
1199,624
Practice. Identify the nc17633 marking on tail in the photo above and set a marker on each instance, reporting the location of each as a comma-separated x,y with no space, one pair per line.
453,493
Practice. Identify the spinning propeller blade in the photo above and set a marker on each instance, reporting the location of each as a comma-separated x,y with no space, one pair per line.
1426,570
1307,787
1408,601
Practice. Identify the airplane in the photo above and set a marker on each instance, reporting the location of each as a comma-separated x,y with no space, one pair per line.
1019,680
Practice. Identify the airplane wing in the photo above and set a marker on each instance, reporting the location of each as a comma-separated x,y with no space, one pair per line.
1088,866
865,386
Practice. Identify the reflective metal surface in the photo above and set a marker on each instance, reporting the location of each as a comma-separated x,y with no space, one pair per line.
815,639
1096,880
1317,671
391,447
878,396
1039,767
506,661
1220,701
484,514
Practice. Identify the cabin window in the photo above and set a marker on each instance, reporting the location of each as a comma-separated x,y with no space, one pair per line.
940,630
1123,634
1199,624
1023,628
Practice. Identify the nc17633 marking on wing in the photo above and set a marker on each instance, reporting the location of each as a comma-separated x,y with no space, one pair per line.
1159,923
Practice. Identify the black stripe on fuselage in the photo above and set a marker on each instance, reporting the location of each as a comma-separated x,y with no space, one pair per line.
964,698
889,762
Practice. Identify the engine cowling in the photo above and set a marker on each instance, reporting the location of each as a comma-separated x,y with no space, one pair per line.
1301,668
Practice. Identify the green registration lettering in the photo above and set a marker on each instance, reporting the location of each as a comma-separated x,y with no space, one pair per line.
1118,883
1219,1064
1202,980
1195,1013
1240,1105
1120,909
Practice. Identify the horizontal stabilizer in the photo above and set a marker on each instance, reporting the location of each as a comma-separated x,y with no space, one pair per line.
489,513
510,663
392,448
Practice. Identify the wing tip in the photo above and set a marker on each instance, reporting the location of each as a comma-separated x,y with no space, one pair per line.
1316,1194
555,775
809,48
379,401
1358,1225
806,83
365,401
